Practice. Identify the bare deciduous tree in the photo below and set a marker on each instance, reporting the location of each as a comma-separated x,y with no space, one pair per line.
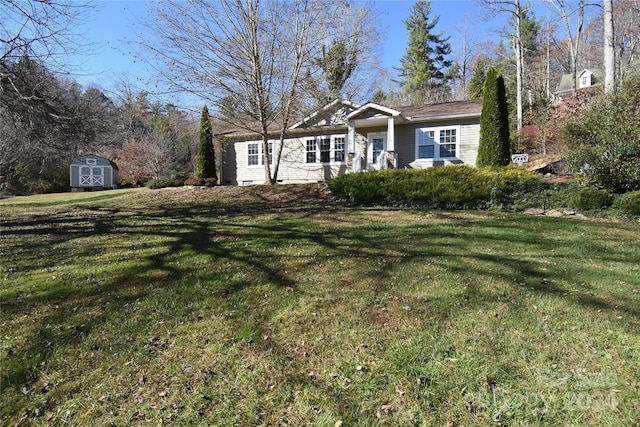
515,10
609,48
567,10
246,58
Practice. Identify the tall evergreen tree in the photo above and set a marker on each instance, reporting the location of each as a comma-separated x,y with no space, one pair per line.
206,165
425,67
476,85
495,148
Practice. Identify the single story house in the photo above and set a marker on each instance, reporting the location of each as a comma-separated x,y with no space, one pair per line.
93,172
345,137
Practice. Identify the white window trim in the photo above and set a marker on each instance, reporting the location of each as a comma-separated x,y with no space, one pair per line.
260,153
332,153
436,149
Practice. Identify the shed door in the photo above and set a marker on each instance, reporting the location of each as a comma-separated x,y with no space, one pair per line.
91,176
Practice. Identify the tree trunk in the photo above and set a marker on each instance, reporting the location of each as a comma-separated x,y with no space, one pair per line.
519,63
609,49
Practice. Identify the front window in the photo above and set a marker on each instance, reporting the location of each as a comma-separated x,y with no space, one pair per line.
437,143
426,143
448,139
311,150
325,149
339,144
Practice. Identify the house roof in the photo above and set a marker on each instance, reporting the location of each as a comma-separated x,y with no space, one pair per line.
566,81
442,110
371,112
371,106
329,106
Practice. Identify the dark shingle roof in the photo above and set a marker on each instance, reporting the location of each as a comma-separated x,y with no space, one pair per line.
442,109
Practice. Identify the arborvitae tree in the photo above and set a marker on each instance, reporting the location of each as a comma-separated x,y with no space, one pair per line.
206,166
494,149
425,67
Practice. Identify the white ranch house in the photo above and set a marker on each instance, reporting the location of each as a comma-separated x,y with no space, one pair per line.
343,137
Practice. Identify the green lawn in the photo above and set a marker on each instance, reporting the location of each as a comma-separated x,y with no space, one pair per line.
278,306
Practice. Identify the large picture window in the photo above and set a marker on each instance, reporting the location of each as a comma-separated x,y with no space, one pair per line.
255,154
325,149
437,143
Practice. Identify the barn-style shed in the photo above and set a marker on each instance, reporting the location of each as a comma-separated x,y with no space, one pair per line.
93,173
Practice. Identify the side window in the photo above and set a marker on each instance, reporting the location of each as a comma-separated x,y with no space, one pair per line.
253,154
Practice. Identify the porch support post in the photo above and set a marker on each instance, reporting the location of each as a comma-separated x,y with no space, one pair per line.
351,138
351,144
391,140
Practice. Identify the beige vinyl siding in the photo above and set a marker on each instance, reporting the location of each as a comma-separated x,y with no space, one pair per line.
293,168
405,143
469,141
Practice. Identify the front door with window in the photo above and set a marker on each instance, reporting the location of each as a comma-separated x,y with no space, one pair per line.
377,144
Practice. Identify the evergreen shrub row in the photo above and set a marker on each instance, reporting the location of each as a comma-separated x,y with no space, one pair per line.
447,187
590,199
628,202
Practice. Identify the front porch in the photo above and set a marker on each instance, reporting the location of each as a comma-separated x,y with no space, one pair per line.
374,126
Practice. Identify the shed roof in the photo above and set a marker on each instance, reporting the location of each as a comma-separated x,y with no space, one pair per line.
102,161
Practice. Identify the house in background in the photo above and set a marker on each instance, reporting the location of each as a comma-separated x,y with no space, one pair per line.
345,137
93,173
586,81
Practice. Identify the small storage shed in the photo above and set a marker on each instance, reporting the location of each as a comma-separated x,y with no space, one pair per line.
93,173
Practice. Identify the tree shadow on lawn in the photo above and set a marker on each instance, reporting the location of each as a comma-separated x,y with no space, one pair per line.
223,236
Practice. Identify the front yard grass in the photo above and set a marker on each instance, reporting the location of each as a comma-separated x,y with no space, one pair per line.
217,307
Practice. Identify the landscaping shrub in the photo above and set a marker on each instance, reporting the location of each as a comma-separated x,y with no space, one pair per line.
201,182
589,198
606,140
629,202
533,194
176,180
443,187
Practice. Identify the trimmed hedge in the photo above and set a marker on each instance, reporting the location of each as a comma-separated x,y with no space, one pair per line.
629,202
447,187
590,199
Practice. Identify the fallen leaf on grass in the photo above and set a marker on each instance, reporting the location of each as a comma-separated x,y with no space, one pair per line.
400,392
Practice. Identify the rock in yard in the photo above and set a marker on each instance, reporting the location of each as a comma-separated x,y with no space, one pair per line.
534,211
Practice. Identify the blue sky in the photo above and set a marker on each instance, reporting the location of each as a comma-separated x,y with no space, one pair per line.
114,22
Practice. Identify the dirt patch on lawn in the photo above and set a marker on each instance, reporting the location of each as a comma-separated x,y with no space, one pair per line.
252,196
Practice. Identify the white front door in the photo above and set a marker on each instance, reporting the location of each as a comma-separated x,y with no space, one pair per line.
376,145
91,176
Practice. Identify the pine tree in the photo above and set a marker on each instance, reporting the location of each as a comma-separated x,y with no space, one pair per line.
494,149
476,84
425,65
206,165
